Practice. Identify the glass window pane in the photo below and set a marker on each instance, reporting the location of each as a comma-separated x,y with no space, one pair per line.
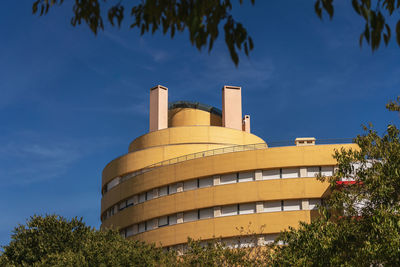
228,178
205,182
163,221
312,171
246,176
172,219
190,185
190,216
247,208
290,173
229,210
271,174
272,206
163,191
206,213
327,170
142,197
292,204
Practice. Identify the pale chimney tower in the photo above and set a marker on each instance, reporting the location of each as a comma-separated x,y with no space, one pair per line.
232,107
246,123
158,108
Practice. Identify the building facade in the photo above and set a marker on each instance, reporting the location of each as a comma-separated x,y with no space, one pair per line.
200,173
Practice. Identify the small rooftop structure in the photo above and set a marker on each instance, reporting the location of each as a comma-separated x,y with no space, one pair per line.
304,141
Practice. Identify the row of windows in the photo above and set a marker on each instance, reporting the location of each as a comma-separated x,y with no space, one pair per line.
267,174
221,211
283,173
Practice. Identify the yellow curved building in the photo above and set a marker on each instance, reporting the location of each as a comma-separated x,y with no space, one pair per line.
200,173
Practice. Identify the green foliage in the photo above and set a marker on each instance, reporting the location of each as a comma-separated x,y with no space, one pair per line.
394,105
201,18
217,253
55,241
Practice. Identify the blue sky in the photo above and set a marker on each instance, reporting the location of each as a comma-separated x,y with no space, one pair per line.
70,101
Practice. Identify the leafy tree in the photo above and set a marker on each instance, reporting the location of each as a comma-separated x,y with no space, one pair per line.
360,223
203,19
217,253
55,241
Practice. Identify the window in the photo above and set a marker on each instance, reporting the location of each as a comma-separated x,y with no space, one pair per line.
314,203
327,170
114,182
142,197
246,176
229,210
247,208
290,173
272,206
149,195
228,178
313,171
163,191
190,185
142,227
206,213
163,221
127,176
172,219
122,205
190,216
122,233
129,202
172,189
150,224
270,238
292,204
206,182
131,230
271,174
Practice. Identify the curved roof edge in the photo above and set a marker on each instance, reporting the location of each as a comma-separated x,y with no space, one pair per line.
195,105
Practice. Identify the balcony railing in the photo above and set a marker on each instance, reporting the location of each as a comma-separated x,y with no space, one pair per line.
196,155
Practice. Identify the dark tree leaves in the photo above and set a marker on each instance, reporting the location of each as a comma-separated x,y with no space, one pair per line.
375,14
394,105
202,19
55,241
